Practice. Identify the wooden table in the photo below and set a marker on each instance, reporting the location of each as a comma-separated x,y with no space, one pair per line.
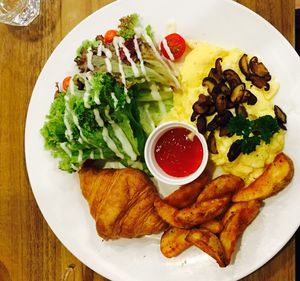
28,248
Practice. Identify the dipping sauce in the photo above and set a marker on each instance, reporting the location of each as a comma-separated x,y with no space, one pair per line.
179,152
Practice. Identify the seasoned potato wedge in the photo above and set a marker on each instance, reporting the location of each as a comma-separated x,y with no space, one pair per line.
187,194
247,206
209,243
214,226
235,221
173,242
169,214
221,186
201,212
275,177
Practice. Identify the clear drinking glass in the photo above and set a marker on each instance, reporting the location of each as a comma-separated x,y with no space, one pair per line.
19,12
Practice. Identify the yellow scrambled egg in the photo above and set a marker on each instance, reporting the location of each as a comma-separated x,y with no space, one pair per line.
195,68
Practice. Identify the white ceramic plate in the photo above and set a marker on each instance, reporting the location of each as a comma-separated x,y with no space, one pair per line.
224,23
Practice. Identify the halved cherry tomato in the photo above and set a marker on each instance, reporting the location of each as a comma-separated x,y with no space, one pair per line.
176,45
109,35
66,82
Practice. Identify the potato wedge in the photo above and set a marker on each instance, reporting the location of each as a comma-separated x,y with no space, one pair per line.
187,194
208,243
201,212
275,177
235,220
247,206
221,186
173,242
214,226
169,214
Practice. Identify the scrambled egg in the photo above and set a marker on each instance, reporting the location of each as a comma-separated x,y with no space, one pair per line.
195,68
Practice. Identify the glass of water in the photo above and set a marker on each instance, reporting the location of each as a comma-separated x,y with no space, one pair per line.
19,12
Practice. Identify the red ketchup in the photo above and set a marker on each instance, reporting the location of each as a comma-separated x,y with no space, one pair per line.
179,152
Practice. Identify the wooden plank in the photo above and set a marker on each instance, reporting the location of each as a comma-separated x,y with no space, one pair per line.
279,13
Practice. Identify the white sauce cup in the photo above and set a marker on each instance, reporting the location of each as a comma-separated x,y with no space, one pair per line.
152,164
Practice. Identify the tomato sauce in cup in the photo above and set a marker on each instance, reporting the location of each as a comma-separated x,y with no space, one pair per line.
178,152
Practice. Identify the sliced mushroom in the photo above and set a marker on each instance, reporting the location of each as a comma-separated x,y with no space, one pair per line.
224,88
225,132
243,64
280,115
212,143
216,73
209,83
252,99
213,124
201,124
218,66
241,110
224,117
211,110
232,78
230,104
193,116
259,82
200,108
238,93
249,98
258,68
203,100
221,102
234,151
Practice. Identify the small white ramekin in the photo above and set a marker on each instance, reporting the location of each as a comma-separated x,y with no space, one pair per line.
153,166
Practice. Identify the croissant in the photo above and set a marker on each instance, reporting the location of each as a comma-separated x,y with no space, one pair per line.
121,202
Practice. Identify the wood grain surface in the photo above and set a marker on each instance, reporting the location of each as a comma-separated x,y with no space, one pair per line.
28,248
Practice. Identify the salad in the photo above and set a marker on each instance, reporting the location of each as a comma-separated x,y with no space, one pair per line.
123,87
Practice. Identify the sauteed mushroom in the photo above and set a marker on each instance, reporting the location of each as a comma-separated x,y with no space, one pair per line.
211,143
232,78
280,116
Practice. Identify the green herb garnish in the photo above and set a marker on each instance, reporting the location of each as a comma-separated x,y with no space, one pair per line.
253,131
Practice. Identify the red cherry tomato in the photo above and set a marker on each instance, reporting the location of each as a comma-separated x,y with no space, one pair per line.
66,82
176,45
109,35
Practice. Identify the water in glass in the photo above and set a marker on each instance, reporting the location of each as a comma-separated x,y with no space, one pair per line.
19,12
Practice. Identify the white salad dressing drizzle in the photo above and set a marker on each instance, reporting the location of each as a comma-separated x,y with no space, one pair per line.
92,155
139,55
80,154
89,57
99,49
76,122
128,56
126,145
75,168
151,44
68,132
113,96
64,147
156,95
146,111
87,93
167,49
110,143
123,79
71,87
96,98
98,118
108,55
